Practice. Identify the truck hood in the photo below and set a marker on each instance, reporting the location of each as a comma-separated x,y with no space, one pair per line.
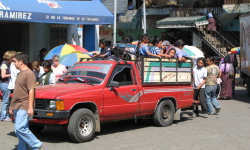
61,90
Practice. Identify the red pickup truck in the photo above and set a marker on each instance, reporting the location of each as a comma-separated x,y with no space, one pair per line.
97,91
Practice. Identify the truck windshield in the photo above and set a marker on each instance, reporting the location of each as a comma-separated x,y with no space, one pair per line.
89,73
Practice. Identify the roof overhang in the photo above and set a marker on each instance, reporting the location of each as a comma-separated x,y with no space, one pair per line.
182,22
52,11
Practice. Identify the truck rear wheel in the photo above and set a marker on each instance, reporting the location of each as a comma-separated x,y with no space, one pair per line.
164,114
82,125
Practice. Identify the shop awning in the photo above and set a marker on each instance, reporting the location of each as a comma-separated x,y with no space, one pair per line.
182,22
59,12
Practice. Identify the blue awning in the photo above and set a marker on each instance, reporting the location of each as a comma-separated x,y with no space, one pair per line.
59,12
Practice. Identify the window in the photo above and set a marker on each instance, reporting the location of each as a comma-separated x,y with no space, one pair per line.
58,35
123,75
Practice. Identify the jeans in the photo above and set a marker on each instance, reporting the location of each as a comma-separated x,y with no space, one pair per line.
5,100
211,100
27,140
199,94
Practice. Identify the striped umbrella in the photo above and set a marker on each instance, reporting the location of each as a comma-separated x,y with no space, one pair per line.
64,49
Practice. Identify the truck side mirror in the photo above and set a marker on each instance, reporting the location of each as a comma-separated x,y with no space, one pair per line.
113,84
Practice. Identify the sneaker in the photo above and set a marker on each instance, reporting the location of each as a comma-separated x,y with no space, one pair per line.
217,110
7,119
212,113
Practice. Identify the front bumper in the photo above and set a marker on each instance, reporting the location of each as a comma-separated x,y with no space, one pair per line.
51,114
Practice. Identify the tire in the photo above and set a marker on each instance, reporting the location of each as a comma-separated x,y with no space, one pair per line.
36,128
82,125
164,114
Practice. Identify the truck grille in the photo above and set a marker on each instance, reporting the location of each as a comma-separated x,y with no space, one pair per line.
41,104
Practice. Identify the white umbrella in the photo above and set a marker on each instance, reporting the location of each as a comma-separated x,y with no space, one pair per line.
193,52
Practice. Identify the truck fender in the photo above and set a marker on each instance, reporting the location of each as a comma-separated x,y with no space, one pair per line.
167,98
91,106
177,114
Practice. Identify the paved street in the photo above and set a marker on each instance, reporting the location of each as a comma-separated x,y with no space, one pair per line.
228,131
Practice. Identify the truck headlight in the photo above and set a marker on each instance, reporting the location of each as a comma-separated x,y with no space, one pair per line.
52,105
56,105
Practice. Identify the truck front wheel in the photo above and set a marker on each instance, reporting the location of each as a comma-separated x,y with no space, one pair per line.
81,127
164,114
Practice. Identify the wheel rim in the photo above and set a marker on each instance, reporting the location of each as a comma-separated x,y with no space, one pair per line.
85,126
165,115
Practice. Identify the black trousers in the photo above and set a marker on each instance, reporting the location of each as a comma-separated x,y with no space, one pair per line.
199,94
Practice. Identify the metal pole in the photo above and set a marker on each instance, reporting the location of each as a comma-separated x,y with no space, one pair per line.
144,17
114,28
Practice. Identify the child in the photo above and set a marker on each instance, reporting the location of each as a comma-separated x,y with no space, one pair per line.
48,77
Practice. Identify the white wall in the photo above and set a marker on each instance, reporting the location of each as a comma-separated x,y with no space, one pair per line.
38,38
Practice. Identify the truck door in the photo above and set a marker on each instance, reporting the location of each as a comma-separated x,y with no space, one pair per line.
121,101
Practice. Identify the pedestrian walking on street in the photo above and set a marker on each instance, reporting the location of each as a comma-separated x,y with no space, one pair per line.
234,62
213,72
4,83
227,74
199,76
22,104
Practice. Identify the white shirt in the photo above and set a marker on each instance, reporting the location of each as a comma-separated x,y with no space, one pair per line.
58,71
13,74
199,75
40,73
52,79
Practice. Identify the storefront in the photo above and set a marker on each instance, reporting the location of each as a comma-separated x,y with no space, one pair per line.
31,25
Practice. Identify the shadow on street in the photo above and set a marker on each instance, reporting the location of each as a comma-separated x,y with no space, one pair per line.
58,134
241,95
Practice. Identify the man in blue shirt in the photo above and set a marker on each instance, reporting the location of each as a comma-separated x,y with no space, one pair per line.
144,48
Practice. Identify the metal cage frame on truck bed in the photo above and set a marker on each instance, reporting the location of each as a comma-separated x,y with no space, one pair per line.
153,70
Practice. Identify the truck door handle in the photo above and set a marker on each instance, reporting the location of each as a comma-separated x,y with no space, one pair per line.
133,90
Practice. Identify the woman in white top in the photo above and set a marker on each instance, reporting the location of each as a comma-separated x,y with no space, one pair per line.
57,68
13,73
48,77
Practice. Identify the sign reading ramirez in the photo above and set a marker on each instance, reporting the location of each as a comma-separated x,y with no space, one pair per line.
15,15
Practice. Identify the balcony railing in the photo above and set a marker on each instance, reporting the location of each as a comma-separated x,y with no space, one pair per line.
236,1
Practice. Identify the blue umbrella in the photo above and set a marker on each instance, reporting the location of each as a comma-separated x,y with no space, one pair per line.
71,59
